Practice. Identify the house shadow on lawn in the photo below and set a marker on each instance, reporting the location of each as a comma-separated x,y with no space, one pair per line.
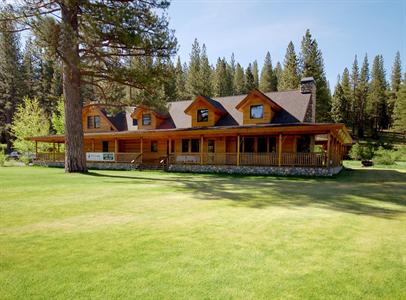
380,193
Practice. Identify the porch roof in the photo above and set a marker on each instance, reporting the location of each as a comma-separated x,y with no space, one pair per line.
339,130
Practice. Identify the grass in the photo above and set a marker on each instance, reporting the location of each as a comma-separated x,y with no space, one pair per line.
152,235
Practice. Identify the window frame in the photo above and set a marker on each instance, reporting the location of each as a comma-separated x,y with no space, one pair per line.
199,118
96,124
185,142
90,122
193,144
256,106
150,119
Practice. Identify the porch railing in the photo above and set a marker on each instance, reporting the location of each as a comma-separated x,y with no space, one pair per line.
315,159
120,157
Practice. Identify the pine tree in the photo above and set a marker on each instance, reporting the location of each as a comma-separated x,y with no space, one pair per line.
400,109
11,88
354,94
193,79
396,78
30,70
362,96
337,103
239,81
249,79
377,98
312,65
231,67
180,80
255,73
347,93
290,75
96,46
205,74
223,85
278,71
268,82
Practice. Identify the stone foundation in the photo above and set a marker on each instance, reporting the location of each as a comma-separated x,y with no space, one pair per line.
251,170
242,170
91,165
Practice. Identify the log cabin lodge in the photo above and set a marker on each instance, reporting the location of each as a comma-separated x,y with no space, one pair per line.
257,133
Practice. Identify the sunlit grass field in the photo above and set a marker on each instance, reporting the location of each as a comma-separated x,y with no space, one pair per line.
154,235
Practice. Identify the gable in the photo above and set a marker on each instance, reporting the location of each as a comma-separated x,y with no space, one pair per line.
92,111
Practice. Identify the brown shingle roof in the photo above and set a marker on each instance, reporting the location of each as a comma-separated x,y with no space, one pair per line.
293,102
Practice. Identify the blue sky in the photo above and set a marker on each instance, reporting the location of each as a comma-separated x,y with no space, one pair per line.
250,28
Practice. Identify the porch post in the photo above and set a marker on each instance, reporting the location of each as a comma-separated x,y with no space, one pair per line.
36,150
142,146
115,149
92,145
280,150
53,151
238,150
201,150
328,149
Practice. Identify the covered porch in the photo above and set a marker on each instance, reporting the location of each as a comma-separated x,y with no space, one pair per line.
313,146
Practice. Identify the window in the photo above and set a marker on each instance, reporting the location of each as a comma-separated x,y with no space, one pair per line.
93,122
135,122
146,119
202,115
256,111
211,146
303,144
96,121
272,144
195,145
262,145
249,144
185,145
90,122
105,145
154,146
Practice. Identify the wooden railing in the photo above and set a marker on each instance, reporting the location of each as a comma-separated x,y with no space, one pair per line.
316,159
135,158
50,156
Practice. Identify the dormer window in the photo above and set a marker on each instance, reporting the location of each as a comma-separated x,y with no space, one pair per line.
257,111
93,122
146,119
203,115
135,122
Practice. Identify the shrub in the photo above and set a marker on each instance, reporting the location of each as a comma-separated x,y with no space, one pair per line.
359,152
384,157
400,153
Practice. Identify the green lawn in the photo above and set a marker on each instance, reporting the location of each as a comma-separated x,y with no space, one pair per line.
152,235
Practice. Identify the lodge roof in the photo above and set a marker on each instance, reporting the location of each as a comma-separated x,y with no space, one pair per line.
294,105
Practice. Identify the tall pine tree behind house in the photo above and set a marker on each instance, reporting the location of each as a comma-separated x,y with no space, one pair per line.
193,79
255,73
249,79
312,65
205,74
239,80
180,80
267,82
290,74
278,71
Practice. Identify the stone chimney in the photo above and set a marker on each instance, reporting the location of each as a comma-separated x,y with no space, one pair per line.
308,86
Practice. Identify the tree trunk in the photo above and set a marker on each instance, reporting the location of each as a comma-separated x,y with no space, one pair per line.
75,160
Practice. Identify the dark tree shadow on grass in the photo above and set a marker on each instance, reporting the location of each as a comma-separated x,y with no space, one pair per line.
380,193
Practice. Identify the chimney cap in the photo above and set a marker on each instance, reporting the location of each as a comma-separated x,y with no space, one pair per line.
307,79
